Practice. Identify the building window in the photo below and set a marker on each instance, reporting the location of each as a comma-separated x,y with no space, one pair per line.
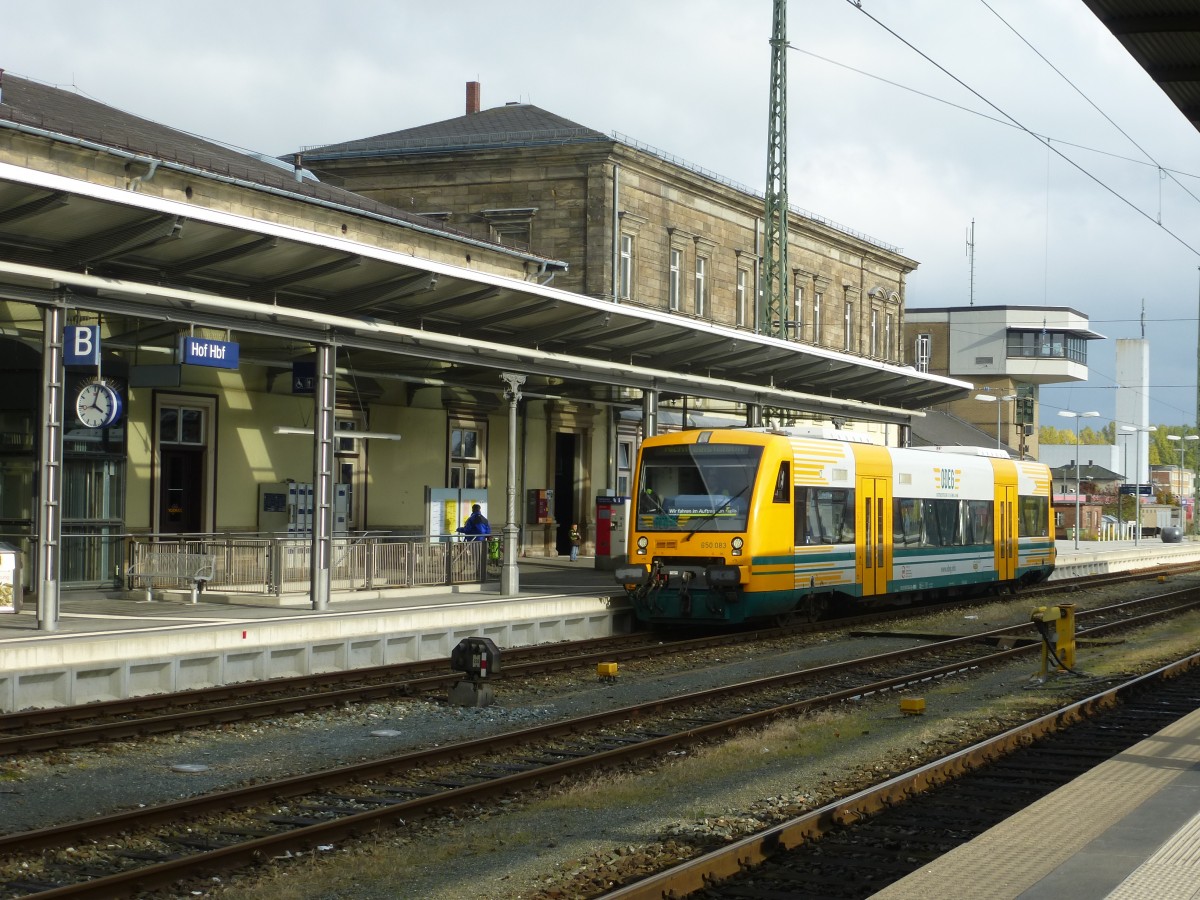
468,441
626,282
874,333
673,283
887,337
923,349
625,457
1051,344
848,325
181,425
740,299
511,227
816,318
701,286
798,313
517,235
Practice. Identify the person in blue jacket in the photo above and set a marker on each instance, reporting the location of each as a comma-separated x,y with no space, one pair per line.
476,527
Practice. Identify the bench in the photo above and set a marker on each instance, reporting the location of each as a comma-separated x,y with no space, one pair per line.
168,563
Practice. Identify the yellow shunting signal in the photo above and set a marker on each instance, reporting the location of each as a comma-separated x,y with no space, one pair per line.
912,706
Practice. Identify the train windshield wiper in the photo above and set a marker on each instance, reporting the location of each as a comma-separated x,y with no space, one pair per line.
716,512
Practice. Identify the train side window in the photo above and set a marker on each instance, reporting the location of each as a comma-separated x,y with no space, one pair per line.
977,525
801,520
783,483
1033,516
943,523
830,516
906,521
846,532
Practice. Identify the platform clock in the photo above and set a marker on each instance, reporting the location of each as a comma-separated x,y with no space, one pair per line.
97,404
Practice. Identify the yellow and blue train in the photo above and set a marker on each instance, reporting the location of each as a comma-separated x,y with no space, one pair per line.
730,525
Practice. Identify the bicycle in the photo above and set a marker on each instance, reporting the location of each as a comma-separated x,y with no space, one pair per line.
495,553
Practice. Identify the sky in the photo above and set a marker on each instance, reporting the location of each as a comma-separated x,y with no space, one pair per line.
907,121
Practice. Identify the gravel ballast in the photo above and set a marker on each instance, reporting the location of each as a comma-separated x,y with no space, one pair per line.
568,844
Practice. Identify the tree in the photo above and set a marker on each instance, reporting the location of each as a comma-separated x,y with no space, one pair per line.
1048,434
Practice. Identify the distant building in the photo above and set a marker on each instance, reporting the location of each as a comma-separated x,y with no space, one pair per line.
1008,352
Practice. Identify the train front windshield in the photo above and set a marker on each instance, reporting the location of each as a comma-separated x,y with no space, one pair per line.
696,487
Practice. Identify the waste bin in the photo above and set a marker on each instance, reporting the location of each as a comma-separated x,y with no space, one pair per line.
10,578
1172,534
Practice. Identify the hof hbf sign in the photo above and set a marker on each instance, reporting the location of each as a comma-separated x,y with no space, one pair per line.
195,351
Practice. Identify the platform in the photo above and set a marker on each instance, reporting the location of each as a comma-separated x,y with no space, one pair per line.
108,646
1103,557
1127,830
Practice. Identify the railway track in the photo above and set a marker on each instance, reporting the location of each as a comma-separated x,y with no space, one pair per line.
40,730
155,847
859,845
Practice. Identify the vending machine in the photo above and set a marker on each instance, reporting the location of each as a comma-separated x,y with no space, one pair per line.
612,531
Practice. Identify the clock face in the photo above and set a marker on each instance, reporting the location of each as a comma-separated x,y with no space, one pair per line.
97,405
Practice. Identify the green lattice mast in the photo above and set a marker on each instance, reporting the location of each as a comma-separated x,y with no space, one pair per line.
773,310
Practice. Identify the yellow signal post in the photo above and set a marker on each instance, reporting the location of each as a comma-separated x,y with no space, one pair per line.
1063,617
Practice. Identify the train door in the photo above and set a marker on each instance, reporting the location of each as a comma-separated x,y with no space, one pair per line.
874,546
1006,532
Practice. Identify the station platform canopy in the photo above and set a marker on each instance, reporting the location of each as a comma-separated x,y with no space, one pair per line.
153,266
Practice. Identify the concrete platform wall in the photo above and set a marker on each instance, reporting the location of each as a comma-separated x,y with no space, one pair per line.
1097,558
93,667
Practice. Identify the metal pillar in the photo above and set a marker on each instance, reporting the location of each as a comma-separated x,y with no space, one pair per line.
50,483
320,574
510,573
753,415
649,414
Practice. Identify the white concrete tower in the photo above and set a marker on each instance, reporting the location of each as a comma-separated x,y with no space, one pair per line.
1133,404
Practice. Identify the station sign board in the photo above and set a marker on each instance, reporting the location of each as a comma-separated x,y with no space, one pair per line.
1144,490
194,351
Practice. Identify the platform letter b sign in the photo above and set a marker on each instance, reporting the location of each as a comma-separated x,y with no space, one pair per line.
81,345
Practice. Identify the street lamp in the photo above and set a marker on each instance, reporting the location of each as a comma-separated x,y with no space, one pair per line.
992,398
1179,493
1124,481
1137,465
1077,416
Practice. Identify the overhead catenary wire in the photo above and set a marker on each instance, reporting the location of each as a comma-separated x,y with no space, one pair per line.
1162,169
1039,138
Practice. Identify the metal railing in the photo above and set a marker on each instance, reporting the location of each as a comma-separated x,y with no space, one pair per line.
264,564
274,565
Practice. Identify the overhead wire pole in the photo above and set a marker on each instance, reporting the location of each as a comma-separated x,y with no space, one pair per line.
774,274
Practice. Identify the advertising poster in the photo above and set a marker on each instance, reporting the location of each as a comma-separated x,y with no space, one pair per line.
8,582
447,508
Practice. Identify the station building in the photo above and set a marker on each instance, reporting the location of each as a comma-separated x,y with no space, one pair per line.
384,332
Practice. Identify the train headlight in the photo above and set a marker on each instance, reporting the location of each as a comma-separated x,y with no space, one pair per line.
736,544
642,544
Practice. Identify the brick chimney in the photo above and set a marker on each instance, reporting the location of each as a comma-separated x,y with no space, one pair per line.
472,97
